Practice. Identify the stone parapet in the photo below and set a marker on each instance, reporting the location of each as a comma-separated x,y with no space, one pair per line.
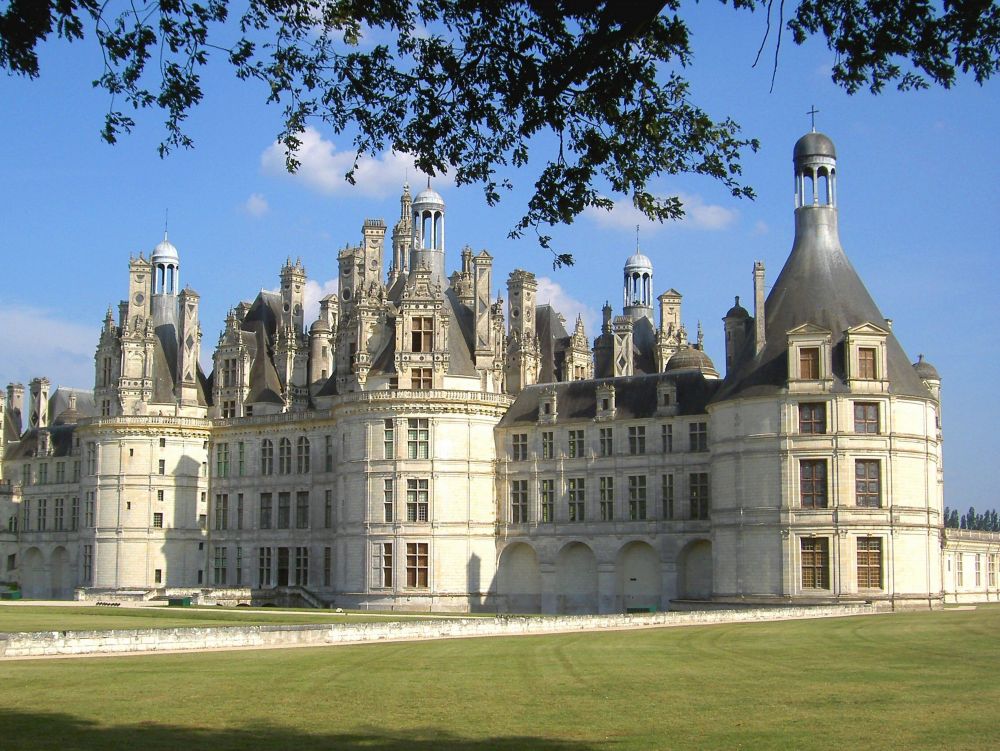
135,641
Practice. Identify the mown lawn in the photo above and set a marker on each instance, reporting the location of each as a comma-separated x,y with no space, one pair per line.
905,681
58,618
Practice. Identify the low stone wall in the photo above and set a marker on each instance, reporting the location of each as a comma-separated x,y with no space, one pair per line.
54,643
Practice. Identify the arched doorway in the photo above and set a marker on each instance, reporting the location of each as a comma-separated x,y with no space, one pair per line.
576,579
638,576
519,582
61,575
694,571
34,582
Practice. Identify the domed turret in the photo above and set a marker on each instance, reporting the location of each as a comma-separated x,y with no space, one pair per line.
428,233
814,144
737,311
925,370
638,286
691,360
166,268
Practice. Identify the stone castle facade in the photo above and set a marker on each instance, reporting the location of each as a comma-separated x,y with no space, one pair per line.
428,445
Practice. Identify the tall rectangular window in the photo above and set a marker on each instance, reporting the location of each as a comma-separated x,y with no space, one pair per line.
284,457
417,500
241,454
812,418
417,438
58,514
416,565
284,510
991,565
866,363
266,457
328,509
162,467
157,520
74,513
382,564
667,495
576,498
606,487
43,474
575,444
327,566
548,444
328,453
698,495
979,573
265,511
519,447
809,363
637,497
239,566
43,514
264,568
546,499
88,565
76,470
959,569
698,436
239,511
302,509
637,439
518,501
421,379
815,553
219,567
866,418
92,459
388,500
422,335
606,441
667,439
869,563
302,455
222,460
221,511
60,472
812,483
868,483
302,566
389,439
89,509
26,513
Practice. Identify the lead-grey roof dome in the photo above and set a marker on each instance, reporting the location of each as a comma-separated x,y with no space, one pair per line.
925,370
165,251
691,358
814,144
429,196
638,261
737,311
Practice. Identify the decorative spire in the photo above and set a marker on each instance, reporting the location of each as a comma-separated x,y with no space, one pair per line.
701,336
812,114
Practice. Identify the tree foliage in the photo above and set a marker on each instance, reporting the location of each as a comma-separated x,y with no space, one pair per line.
988,521
469,86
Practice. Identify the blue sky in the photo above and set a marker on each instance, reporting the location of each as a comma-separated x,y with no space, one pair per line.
918,215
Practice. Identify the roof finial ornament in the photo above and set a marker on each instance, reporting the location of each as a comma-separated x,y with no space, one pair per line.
637,238
812,114
428,181
166,223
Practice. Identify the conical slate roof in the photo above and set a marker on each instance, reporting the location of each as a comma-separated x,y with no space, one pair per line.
817,285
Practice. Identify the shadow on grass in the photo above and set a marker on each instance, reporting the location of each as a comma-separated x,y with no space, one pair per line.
49,730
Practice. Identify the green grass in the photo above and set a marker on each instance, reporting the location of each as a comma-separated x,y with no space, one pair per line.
905,681
53,618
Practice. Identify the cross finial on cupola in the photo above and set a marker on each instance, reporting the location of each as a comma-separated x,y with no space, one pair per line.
812,115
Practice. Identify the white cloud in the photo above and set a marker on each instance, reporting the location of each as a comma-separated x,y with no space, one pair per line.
256,205
314,292
35,342
322,167
760,227
697,215
552,293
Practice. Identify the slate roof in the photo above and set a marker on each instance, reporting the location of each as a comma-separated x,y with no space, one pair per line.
817,285
635,397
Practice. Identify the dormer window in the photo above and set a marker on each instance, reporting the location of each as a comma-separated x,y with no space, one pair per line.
866,356
666,398
605,402
422,334
810,358
548,406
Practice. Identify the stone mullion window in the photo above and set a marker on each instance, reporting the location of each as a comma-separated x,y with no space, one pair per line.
813,483
607,497
869,563
815,562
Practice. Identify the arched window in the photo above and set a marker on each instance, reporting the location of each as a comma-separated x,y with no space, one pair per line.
285,457
302,456
266,457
